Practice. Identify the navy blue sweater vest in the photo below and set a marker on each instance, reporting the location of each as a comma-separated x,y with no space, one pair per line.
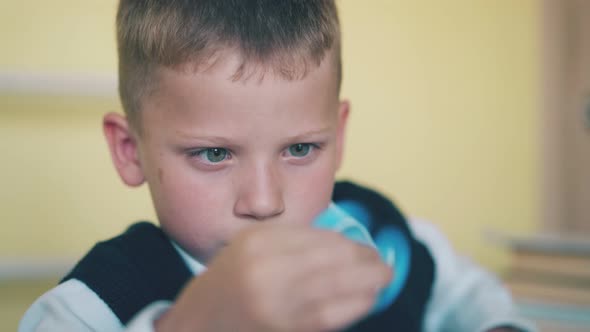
140,266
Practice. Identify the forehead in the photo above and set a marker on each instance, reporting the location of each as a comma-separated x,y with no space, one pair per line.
235,66
227,74
210,92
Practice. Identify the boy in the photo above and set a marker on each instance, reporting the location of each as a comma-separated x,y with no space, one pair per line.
233,119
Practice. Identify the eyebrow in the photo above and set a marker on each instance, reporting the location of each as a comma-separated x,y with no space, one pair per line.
310,133
224,140
209,138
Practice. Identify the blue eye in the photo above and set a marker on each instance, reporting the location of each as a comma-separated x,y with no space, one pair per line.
300,149
212,155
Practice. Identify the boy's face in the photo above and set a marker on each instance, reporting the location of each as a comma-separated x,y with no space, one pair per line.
220,155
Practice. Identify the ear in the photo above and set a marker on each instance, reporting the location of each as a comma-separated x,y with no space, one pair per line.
343,110
123,147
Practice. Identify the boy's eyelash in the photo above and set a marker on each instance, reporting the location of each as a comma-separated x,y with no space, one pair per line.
314,149
197,151
194,152
318,146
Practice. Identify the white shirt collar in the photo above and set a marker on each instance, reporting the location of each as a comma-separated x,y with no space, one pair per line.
195,266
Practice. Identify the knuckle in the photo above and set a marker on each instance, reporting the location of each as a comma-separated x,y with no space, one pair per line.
333,238
249,275
324,318
339,283
387,273
254,273
326,285
374,254
349,250
259,311
380,276
258,308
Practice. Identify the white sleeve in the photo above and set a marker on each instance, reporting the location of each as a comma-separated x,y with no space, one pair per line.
144,320
72,306
464,296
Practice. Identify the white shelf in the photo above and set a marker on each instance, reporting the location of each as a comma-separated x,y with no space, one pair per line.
17,269
54,83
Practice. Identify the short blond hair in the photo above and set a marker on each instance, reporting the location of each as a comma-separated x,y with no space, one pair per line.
284,36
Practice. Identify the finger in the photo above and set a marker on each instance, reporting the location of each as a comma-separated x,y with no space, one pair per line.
336,314
285,239
333,252
365,278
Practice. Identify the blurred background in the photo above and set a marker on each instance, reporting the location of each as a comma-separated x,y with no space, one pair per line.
471,114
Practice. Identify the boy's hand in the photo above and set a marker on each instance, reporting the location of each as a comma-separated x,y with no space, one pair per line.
281,278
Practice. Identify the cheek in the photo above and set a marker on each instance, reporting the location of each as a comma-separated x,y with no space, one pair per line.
189,206
191,199
313,193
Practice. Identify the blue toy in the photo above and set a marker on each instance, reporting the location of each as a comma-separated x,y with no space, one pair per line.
352,220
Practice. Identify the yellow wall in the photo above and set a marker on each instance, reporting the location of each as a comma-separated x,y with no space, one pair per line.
445,113
444,97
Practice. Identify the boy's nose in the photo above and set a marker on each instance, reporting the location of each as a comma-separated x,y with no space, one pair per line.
260,195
